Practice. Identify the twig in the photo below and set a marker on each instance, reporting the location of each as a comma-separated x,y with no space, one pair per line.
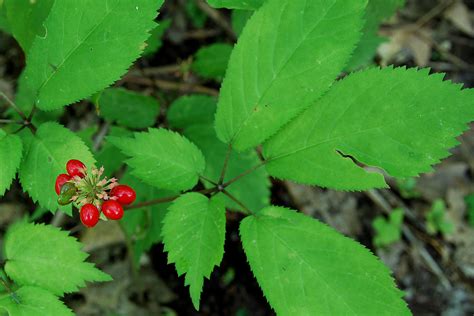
7,121
434,12
226,163
225,185
378,199
170,85
100,136
217,17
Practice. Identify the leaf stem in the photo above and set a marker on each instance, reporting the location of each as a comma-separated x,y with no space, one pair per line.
168,199
7,121
225,185
226,163
233,198
208,180
13,106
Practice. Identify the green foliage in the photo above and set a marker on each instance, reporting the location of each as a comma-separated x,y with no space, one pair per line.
10,158
195,114
407,187
470,209
155,42
189,110
88,53
4,27
388,231
395,119
196,15
26,18
162,158
45,156
239,20
236,4
211,61
128,108
193,234
306,268
33,301
288,55
46,257
143,226
436,221
376,13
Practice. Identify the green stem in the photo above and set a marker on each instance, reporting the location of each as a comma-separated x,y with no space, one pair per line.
225,185
233,198
13,106
226,163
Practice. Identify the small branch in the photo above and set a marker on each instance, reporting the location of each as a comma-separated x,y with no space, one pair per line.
13,106
174,86
217,17
100,136
167,199
225,185
226,163
233,198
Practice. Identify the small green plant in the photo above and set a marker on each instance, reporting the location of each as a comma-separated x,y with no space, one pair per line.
388,231
436,221
280,93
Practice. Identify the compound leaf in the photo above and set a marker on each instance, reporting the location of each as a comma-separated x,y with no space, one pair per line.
195,114
211,61
46,257
26,18
162,158
237,4
194,234
45,156
306,268
87,46
128,108
10,157
155,41
33,301
401,120
289,53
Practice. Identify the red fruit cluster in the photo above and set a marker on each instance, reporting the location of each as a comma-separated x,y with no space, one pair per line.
91,193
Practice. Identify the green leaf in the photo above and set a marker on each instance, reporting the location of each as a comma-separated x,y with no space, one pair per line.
211,61
395,119
288,55
239,20
376,13
44,256
236,4
26,18
155,42
128,108
436,221
195,114
195,14
109,156
45,157
190,110
144,225
10,157
33,301
88,45
194,234
388,231
4,26
306,268
162,158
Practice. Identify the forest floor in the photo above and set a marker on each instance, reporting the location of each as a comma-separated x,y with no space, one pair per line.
434,269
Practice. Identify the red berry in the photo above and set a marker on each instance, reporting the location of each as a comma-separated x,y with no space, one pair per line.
112,210
60,180
75,168
125,195
89,215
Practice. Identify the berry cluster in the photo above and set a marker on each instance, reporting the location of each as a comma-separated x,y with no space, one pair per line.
91,193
